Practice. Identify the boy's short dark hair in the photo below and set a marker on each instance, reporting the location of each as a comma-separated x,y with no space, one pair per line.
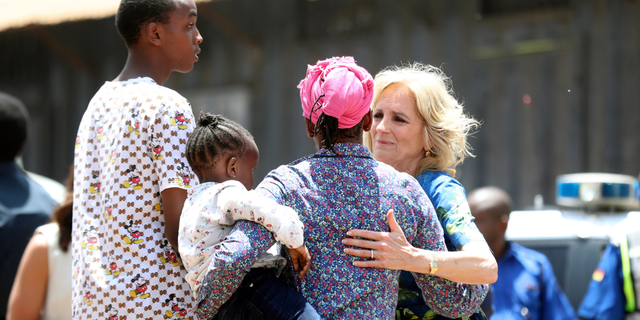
133,13
13,127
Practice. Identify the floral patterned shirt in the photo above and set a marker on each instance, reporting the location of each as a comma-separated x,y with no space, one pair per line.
333,194
208,215
450,201
129,148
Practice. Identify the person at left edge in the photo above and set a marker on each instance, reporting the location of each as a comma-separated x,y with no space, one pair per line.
131,175
24,204
42,288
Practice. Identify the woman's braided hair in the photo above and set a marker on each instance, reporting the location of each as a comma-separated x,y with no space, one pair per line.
328,127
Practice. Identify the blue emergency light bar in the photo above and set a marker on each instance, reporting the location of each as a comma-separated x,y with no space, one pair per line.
597,190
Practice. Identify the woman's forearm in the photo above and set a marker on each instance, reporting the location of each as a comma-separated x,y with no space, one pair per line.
474,264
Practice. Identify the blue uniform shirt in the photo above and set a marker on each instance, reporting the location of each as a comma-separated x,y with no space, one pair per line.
605,298
527,288
24,205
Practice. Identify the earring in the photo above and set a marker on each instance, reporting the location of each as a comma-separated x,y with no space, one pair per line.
428,154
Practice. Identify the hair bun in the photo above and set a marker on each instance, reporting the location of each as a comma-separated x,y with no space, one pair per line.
208,119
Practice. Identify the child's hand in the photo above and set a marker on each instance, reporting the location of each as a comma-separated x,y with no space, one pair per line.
301,260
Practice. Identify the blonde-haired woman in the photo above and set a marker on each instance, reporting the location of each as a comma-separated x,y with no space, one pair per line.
420,128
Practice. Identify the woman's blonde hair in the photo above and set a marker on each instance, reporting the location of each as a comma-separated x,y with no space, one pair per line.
447,126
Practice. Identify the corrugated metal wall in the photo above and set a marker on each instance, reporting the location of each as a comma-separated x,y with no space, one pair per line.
577,60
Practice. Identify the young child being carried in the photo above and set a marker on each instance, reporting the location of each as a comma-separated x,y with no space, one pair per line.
223,155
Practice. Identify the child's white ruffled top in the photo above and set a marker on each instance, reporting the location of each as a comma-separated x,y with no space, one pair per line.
209,213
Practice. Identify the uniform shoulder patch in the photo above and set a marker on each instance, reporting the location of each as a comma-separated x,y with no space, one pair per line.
598,275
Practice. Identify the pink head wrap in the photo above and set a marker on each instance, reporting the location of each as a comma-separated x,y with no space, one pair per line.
345,90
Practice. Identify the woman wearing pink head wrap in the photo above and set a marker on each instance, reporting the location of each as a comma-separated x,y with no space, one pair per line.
335,96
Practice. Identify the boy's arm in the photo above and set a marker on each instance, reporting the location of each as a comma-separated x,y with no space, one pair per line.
168,160
239,204
172,203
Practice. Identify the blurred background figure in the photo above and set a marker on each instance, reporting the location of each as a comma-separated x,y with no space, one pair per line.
613,293
24,204
56,190
527,287
42,287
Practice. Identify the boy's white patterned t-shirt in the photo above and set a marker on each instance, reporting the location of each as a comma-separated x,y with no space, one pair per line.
129,148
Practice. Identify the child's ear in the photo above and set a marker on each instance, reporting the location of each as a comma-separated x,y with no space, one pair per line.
152,33
232,167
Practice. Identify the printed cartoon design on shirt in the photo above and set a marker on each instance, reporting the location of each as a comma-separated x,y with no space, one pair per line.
140,284
168,255
155,149
134,127
112,267
157,206
94,187
112,313
87,293
91,238
135,235
108,211
112,154
183,178
116,234
176,308
134,179
99,128
179,120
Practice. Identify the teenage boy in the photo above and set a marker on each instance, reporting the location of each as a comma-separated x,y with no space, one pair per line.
131,175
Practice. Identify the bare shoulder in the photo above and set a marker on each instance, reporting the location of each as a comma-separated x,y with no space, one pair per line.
37,249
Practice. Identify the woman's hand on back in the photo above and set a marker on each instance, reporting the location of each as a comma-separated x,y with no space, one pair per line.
389,250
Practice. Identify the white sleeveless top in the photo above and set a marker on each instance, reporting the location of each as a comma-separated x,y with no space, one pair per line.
57,303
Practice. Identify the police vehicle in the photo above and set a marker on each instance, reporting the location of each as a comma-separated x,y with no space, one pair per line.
593,210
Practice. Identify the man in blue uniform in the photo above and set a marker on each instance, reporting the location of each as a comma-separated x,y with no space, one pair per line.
24,204
611,294
527,287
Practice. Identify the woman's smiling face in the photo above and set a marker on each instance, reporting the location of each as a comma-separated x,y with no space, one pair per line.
397,132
